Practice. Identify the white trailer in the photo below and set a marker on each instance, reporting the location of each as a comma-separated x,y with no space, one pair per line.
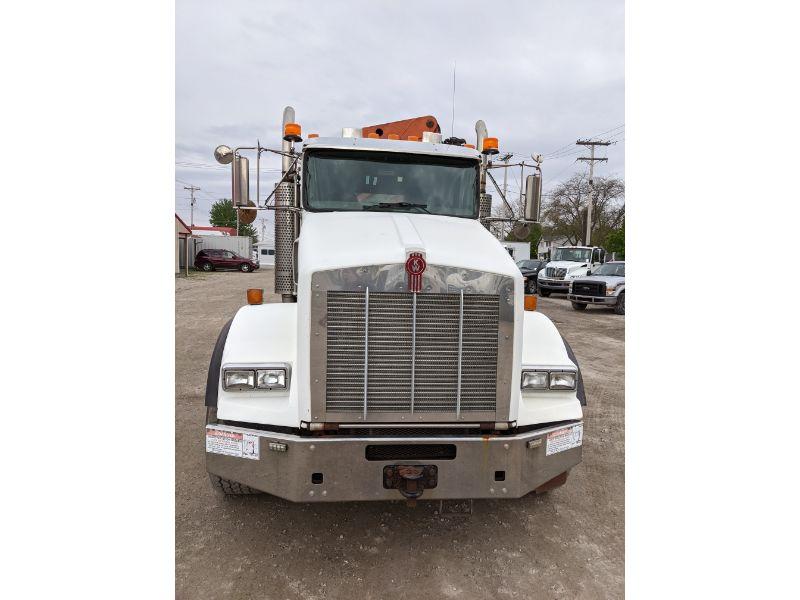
518,250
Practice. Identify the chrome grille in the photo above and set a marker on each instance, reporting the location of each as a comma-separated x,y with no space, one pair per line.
413,361
554,273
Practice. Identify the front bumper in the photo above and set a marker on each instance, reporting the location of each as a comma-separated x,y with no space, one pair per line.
606,300
483,466
561,285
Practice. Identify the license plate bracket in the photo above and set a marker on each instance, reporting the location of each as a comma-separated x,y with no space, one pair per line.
410,480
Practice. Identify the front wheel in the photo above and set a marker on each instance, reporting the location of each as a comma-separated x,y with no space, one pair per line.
245,268
207,266
620,307
544,293
230,488
579,306
530,286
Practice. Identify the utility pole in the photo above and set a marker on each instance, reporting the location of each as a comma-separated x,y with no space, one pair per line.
192,189
591,159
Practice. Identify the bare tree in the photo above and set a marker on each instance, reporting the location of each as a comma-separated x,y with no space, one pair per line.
564,211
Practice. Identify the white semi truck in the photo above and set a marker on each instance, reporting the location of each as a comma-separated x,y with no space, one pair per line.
401,362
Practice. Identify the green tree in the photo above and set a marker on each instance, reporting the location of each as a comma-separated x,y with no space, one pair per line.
223,214
532,239
615,241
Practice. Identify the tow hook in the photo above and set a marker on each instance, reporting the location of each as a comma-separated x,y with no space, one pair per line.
410,480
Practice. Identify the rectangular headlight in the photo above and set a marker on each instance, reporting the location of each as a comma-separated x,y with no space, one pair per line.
534,380
271,379
239,379
562,380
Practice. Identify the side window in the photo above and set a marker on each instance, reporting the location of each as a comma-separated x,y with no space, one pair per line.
264,252
596,255
271,252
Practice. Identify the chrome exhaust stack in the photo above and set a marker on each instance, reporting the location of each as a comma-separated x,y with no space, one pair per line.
286,225
485,206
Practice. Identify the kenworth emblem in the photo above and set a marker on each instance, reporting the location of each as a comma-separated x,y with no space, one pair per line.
415,267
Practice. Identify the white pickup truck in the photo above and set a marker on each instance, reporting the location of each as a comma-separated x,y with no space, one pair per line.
567,263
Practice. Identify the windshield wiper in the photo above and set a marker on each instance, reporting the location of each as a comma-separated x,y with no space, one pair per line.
397,204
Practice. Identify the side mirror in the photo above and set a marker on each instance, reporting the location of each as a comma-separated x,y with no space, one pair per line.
533,197
241,181
588,271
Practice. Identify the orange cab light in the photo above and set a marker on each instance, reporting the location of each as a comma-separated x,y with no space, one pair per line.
394,136
530,302
255,296
413,138
373,135
291,133
313,135
490,145
469,146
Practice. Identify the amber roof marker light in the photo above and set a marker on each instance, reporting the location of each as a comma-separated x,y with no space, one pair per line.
490,145
291,132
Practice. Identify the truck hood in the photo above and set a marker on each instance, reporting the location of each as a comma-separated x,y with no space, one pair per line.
332,240
615,279
565,264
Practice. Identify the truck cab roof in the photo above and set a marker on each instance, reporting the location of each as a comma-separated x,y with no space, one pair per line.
383,145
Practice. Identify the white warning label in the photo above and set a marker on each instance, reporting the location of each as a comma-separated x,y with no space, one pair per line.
564,439
232,443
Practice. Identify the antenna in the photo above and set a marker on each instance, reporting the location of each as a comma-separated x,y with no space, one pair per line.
453,122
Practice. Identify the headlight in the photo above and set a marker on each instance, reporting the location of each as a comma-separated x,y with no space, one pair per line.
236,379
271,379
610,289
534,380
257,377
543,379
563,380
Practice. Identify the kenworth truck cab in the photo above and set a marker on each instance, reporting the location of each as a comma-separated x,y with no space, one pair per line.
401,362
567,263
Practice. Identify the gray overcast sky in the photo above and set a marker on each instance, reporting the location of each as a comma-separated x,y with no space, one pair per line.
541,74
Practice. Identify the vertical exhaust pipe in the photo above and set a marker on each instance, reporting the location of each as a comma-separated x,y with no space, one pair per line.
285,221
485,206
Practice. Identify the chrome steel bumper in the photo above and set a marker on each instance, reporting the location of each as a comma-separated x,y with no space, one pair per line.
593,299
554,284
483,467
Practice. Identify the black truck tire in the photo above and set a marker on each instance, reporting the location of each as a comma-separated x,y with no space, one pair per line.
579,305
230,488
619,307
543,292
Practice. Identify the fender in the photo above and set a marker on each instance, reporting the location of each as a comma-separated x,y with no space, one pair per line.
257,334
544,346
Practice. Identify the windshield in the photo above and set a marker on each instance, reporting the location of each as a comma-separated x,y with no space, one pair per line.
572,254
617,269
387,181
528,264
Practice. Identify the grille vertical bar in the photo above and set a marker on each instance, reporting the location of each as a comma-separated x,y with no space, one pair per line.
366,350
460,350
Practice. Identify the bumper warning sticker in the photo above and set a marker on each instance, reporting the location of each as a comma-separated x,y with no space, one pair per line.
231,443
564,439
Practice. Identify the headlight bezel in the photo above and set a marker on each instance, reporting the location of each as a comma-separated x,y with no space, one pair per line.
552,372
253,384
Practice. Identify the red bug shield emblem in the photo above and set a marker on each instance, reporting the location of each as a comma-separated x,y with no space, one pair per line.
415,267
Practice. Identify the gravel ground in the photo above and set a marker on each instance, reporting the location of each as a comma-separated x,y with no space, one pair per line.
565,544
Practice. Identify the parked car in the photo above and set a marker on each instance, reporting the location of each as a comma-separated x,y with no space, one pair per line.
604,286
212,259
530,270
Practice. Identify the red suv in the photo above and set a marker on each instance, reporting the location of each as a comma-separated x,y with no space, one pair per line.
211,260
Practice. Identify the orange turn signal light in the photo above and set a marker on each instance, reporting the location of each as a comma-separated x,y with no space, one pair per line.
394,136
469,146
255,296
490,146
413,138
291,132
313,135
530,302
373,135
